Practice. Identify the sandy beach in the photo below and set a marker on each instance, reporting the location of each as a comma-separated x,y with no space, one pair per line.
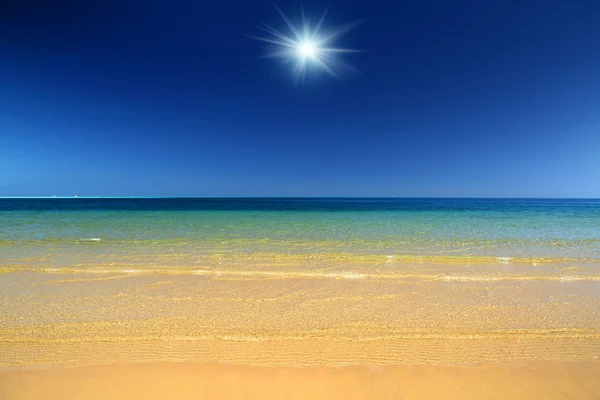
541,380
349,304
156,335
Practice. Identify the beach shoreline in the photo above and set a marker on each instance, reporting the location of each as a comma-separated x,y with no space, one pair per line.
441,303
56,320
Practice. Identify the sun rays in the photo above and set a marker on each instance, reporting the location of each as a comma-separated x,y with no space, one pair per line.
307,46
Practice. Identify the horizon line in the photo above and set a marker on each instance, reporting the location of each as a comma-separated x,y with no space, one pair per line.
299,197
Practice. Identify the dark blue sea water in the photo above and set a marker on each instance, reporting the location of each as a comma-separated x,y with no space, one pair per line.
299,204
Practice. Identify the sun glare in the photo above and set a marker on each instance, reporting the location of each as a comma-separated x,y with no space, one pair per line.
307,50
308,44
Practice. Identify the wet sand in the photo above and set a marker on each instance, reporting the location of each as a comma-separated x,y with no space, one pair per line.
541,380
420,333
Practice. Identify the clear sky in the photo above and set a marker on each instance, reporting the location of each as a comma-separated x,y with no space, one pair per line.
169,98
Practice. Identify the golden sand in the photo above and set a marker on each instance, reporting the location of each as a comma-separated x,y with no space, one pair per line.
81,319
541,380
420,332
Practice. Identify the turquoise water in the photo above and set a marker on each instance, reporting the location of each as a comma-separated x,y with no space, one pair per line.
84,232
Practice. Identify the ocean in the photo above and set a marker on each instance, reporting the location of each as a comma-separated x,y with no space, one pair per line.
181,234
298,282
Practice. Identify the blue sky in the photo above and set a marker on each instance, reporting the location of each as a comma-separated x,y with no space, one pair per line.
454,98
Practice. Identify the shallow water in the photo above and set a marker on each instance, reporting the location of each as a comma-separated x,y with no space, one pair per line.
190,233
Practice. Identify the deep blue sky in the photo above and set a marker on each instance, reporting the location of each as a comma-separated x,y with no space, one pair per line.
455,98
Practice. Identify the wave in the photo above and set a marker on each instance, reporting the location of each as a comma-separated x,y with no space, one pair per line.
123,255
240,274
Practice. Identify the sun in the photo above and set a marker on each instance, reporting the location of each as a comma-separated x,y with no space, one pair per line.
307,50
308,45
